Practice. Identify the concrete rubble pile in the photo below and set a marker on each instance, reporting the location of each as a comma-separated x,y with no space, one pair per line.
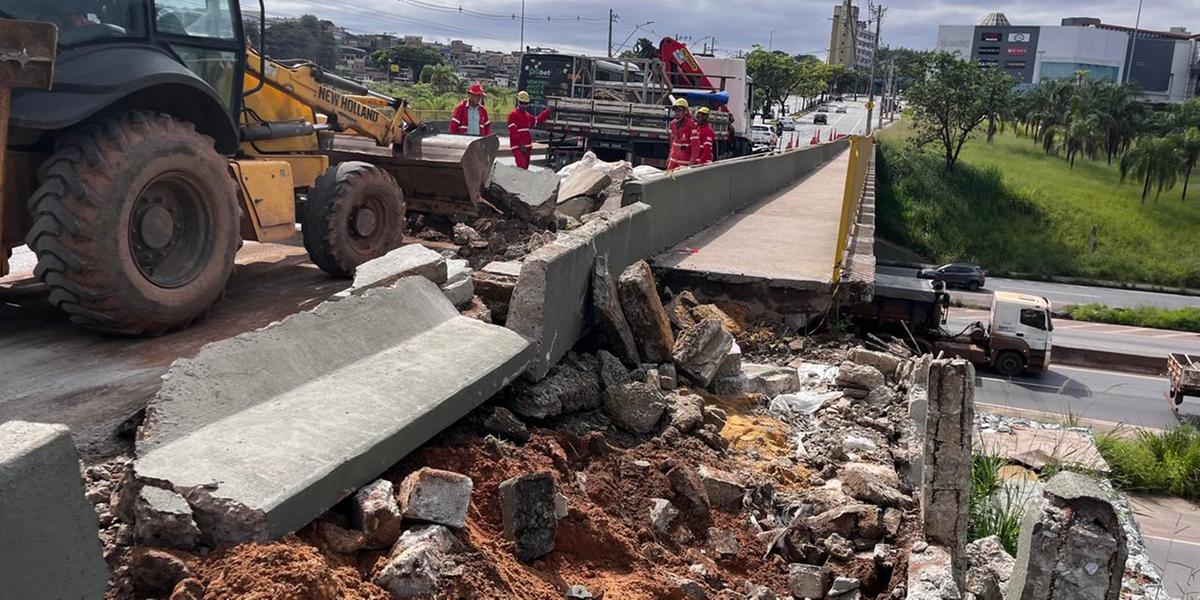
561,199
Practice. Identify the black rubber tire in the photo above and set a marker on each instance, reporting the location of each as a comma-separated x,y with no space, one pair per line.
82,228
974,286
329,217
1009,363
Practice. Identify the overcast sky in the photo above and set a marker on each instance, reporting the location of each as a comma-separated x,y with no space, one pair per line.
800,26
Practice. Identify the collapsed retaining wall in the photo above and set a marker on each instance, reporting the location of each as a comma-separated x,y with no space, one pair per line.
549,303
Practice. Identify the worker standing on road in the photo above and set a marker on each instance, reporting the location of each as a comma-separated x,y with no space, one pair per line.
470,117
702,151
683,136
520,121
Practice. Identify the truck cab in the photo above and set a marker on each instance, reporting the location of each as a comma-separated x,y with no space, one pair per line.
1020,329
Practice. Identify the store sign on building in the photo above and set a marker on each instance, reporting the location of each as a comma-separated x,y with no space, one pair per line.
991,36
1017,50
1018,38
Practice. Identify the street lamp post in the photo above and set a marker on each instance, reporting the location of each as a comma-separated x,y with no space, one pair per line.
1137,24
771,41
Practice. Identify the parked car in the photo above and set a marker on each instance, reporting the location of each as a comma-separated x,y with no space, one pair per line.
820,119
761,135
823,107
789,124
971,277
841,108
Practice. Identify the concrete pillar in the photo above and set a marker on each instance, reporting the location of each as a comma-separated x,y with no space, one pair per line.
51,542
946,469
1072,544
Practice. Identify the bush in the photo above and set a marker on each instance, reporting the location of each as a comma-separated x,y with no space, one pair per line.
1179,319
1159,462
994,508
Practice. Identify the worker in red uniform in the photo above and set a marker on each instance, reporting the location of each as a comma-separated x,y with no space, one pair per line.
520,121
702,152
470,116
683,136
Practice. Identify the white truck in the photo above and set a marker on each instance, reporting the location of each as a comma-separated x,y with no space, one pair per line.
1017,337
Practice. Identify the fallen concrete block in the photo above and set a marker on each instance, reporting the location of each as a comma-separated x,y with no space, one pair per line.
508,268
770,380
163,518
495,291
877,484
582,182
263,432
376,513
612,317
418,560
863,377
689,490
886,363
413,260
527,507
529,195
725,490
504,423
699,351
51,546
566,389
459,286
635,406
645,313
930,575
577,207
679,310
731,365
436,496
807,581
662,514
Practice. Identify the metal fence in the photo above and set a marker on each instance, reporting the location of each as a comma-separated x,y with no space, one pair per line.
861,150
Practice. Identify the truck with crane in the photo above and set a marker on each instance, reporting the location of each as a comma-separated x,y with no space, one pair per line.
146,140
618,108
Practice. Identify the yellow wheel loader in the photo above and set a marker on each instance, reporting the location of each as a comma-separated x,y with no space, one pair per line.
146,140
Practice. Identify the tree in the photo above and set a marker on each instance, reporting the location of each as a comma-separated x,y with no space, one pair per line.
996,90
951,100
415,59
642,48
1152,160
775,74
307,38
1189,153
440,77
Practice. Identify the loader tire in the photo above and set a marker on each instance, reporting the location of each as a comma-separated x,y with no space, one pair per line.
135,224
355,213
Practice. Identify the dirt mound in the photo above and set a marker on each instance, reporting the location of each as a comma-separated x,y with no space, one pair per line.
286,570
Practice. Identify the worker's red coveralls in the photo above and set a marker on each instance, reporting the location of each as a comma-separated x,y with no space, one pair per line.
683,139
703,151
519,124
458,121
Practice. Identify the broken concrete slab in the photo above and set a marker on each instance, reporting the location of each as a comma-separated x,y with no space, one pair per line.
460,286
635,406
419,559
699,351
527,507
576,207
679,310
645,313
930,575
376,513
51,545
413,260
771,380
526,194
725,490
612,317
582,182
504,423
566,389
886,363
808,581
877,484
1038,447
259,453
662,514
689,490
509,268
163,518
436,496
989,569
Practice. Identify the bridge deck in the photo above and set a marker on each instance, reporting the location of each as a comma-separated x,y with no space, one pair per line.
786,240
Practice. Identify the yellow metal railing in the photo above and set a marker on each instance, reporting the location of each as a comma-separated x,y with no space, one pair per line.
856,179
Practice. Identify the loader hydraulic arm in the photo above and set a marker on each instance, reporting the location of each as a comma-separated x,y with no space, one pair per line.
348,105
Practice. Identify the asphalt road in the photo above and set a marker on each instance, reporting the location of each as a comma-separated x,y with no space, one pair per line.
1098,336
1101,395
853,121
1061,294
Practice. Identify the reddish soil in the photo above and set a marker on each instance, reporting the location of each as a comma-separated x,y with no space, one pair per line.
286,570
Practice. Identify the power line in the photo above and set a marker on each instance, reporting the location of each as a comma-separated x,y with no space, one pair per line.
443,8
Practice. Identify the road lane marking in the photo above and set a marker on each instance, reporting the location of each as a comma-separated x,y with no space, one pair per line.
1173,541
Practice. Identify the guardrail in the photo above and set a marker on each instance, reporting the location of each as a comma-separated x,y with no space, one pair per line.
861,150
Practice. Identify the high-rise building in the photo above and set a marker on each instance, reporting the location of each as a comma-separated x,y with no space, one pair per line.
843,39
851,42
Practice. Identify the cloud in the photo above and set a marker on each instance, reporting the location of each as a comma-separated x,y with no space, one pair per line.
795,26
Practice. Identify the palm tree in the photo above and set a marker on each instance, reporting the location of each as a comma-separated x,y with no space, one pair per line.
440,77
1188,146
1153,160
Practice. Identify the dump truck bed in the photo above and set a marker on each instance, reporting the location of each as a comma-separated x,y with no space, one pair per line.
1184,372
624,119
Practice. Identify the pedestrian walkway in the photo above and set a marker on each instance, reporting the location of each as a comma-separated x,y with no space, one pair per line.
787,240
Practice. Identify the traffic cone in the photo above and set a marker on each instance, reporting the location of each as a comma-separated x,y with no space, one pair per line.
791,141
816,139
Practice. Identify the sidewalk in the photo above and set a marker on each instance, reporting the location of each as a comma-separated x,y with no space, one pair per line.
1171,530
786,241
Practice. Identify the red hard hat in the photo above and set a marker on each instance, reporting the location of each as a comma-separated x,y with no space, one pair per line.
476,90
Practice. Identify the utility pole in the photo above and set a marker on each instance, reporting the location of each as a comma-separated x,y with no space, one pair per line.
885,94
879,10
610,22
522,26
771,41
1137,24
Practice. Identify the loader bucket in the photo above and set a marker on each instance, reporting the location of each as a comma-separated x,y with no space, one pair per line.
439,172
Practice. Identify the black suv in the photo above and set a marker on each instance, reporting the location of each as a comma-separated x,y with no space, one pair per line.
971,277
820,119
